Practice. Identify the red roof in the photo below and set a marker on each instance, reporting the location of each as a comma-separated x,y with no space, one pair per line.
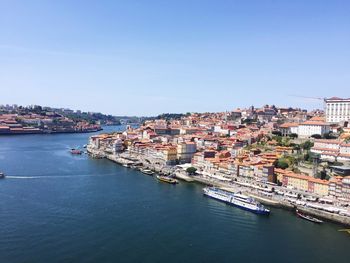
289,124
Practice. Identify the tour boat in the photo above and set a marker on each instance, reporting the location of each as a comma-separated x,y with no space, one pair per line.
308,218
146,171
167,179
236,199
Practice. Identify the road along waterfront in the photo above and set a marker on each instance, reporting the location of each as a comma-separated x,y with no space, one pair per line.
247,187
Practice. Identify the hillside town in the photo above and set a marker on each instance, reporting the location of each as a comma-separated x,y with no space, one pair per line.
15,120
286,157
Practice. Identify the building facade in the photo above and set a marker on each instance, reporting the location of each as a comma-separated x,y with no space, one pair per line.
332,150
339,188
337,110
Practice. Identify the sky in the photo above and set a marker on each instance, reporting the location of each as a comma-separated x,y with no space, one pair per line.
150,57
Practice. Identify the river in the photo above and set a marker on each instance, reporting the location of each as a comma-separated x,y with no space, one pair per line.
56,207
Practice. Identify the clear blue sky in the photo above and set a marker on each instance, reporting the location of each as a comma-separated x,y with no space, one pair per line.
149,57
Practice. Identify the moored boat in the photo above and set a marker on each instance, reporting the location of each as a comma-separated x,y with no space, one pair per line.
236,199
2,175
147,171
76,151
345,230
308,218
167,179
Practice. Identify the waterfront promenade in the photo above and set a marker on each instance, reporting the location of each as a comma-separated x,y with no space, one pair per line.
248,187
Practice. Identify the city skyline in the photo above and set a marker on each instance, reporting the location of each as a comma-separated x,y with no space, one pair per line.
174,131
146,59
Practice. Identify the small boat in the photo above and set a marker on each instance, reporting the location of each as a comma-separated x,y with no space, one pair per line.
85,145
76,151
2,175
126,165
167,179
345,230
136,166
146,171
308,218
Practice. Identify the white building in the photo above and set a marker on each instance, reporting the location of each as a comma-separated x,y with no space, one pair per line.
289,128
315,125
337,110
327,149
307,129
344,152
332,150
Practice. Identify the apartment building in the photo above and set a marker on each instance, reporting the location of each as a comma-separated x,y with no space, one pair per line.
185,151
332,150
339,188
303,182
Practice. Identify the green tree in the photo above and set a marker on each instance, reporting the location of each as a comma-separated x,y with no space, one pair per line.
307,157
323,174
278,139
307,145
191,170
316,136
281,163
296,170
296,147
329,135
277,133
291,160
293,135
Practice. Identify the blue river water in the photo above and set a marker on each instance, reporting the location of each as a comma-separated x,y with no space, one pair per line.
56,207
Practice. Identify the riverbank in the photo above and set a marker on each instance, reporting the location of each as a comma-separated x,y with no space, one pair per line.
280,203
48,132
274,201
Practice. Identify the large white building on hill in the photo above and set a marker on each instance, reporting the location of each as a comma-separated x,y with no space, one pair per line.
337,110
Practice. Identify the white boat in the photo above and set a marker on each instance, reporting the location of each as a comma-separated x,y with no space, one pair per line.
308,218
291,195
236,199
148,172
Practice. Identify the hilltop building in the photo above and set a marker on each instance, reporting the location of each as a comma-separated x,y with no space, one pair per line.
337,110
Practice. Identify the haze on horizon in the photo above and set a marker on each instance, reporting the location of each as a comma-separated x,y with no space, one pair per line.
150,57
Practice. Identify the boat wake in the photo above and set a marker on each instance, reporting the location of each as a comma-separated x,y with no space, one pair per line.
53,176
22,177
